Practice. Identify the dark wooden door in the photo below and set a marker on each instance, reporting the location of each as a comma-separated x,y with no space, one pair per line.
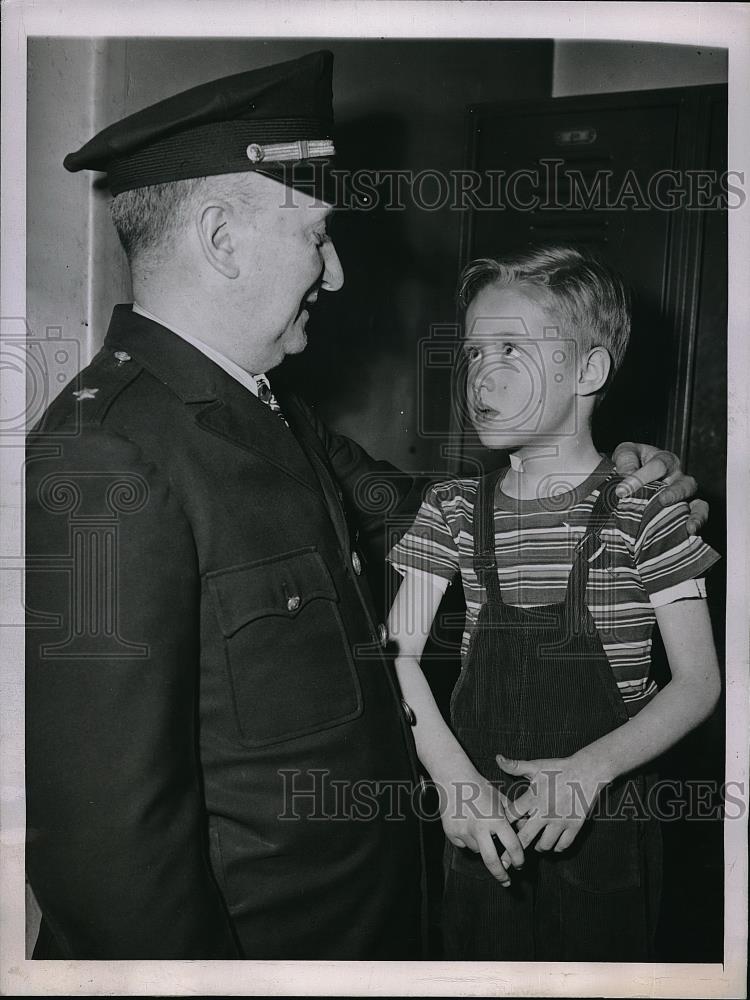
624,174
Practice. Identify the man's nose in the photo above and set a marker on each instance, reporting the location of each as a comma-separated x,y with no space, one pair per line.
333,274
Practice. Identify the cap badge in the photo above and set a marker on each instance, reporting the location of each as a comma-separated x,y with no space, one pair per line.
121,357
255,152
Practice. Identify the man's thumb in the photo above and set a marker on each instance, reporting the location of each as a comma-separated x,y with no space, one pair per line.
511,766
506,763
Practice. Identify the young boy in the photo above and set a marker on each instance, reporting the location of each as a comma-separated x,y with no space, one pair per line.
554,715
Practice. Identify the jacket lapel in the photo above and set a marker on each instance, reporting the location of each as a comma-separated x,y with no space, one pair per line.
221,405
251,425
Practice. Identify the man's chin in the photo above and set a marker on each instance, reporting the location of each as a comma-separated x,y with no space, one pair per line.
297,342
292,341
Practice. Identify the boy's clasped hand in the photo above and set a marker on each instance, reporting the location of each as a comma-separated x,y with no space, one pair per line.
548,813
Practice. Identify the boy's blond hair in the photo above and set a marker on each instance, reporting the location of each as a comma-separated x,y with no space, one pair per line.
579,289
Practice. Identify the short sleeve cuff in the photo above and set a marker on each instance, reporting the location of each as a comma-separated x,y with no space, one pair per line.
679,592
436,581
689,560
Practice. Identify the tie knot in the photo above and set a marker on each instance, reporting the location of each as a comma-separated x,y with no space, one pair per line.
265,395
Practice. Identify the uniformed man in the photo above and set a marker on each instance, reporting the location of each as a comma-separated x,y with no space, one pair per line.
207,677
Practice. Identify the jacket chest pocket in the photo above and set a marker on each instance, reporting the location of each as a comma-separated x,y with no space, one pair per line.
290,661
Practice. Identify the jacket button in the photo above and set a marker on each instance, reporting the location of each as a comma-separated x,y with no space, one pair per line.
293,603
382,635
356,563
409,712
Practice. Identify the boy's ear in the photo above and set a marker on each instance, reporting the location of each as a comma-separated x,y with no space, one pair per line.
593,371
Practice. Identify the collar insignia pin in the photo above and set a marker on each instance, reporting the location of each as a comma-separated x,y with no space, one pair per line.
85,394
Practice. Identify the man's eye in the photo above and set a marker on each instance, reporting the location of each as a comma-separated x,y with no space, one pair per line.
509,351
471,353
321,238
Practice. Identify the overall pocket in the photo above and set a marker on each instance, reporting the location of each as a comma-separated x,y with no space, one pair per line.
606,854
290,661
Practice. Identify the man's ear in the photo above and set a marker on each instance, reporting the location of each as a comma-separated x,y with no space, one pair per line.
215,238
593,371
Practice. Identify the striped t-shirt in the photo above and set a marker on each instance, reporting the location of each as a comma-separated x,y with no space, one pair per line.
647,560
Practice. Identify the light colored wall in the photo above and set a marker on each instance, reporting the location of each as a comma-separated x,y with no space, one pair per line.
606,67
58,223
74,264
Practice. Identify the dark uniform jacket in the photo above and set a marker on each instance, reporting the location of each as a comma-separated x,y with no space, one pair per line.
218,760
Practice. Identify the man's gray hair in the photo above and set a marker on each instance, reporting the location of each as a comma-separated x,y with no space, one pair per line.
149,220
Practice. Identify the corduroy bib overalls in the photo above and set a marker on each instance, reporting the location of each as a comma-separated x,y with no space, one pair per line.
537,684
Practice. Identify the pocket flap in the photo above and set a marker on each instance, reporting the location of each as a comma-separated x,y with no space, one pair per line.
281,585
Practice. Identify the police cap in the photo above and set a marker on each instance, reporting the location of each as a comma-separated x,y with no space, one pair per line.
276,121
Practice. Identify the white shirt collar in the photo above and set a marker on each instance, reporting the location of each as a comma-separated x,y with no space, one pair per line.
229,366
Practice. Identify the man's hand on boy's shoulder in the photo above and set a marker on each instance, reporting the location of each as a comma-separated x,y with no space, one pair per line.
642,463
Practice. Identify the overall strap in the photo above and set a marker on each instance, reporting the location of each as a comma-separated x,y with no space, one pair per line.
605,503
485,564
589,546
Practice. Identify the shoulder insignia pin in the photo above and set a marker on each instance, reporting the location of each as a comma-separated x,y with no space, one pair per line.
82,394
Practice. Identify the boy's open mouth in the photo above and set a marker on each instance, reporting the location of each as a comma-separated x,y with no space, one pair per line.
483,412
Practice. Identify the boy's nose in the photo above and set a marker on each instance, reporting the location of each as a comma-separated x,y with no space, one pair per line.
481,382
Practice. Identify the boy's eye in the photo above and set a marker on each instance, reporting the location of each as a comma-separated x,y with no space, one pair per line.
471,353
509,351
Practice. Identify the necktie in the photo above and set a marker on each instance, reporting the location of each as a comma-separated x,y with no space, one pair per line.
266,396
